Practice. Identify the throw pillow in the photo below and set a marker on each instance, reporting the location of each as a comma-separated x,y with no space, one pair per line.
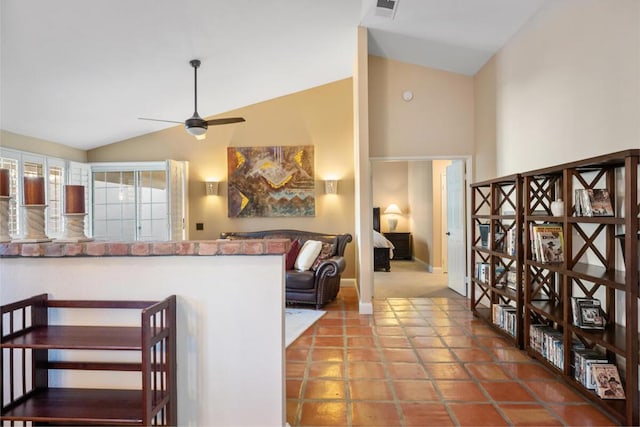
292,254
308,253
325,253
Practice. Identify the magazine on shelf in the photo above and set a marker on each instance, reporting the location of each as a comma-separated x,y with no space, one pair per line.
548,243
593,202
583,198
607,379
601,202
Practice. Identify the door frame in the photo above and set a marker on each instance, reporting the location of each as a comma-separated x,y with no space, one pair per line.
468,159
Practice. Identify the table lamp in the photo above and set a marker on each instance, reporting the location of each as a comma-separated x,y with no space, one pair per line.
392,210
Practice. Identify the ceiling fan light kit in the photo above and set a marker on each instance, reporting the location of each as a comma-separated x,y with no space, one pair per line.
196,125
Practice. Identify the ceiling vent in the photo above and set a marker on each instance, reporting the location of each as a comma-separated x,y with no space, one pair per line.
387,8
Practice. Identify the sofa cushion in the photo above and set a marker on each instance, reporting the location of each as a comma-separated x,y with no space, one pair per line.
300,280
327,252
308,254
292,255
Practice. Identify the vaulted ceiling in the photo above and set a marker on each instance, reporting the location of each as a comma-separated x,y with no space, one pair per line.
81,72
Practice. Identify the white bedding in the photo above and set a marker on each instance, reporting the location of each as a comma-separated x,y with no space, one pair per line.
379,241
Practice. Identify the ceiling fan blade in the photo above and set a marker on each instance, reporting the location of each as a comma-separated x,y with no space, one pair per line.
228,120
159,120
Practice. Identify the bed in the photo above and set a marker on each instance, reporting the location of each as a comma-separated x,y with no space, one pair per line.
382,247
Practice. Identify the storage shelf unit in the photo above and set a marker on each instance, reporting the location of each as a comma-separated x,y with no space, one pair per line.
497,207
27,338
590,268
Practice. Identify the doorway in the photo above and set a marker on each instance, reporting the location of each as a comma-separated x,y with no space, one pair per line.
418,188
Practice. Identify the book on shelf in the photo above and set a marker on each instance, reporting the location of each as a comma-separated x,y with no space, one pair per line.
498,242
501,276
511,244
593,202
584,358
607,379
484,235
547,243
504,316
512,279
483,271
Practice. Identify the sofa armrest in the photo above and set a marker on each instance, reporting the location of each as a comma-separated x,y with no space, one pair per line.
331,267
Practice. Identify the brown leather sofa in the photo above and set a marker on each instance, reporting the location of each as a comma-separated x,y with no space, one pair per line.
318,286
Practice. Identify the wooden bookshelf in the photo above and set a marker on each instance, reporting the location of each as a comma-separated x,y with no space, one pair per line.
497,206
592,267
27,337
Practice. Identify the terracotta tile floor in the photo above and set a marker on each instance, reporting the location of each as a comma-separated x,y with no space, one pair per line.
421,362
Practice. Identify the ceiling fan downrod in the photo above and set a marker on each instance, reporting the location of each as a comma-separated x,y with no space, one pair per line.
195,63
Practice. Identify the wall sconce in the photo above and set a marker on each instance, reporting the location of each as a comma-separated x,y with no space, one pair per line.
211,188
331,186
392,210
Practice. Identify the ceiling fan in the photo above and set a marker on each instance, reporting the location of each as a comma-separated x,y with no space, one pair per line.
196,125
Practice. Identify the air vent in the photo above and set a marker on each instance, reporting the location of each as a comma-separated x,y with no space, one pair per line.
387,8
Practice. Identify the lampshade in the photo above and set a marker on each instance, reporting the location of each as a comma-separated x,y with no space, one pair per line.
392,209
331,186
211,188
196,130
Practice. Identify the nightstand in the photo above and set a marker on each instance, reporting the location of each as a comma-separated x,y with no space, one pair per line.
402,243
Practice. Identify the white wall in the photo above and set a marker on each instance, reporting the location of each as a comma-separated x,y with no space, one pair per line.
230,339
568,85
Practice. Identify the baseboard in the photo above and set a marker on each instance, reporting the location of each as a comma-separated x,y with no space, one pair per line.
427,266
363,306
347,283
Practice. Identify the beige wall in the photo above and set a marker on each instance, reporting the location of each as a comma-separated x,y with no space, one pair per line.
420,177
484,160
390,183
322,117
40,146
568,85
439,121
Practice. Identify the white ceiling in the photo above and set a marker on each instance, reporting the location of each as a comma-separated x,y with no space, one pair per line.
81,72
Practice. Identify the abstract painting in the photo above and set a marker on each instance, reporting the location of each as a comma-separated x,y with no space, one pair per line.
271,181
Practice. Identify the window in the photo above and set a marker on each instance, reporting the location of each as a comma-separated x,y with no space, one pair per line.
22,164
142,201
125,201
12,165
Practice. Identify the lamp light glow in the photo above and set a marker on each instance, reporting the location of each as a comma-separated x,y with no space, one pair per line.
331,186
211,188
392,211
196,130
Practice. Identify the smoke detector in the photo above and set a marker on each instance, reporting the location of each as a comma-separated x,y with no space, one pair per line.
387,8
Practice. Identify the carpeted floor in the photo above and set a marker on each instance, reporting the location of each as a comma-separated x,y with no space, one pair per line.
410,279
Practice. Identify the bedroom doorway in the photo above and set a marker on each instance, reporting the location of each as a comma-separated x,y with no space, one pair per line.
418,188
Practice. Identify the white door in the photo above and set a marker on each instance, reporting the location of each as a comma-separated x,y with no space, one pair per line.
444,239
456,252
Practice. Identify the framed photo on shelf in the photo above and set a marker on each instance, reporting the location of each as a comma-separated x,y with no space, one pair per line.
590,314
